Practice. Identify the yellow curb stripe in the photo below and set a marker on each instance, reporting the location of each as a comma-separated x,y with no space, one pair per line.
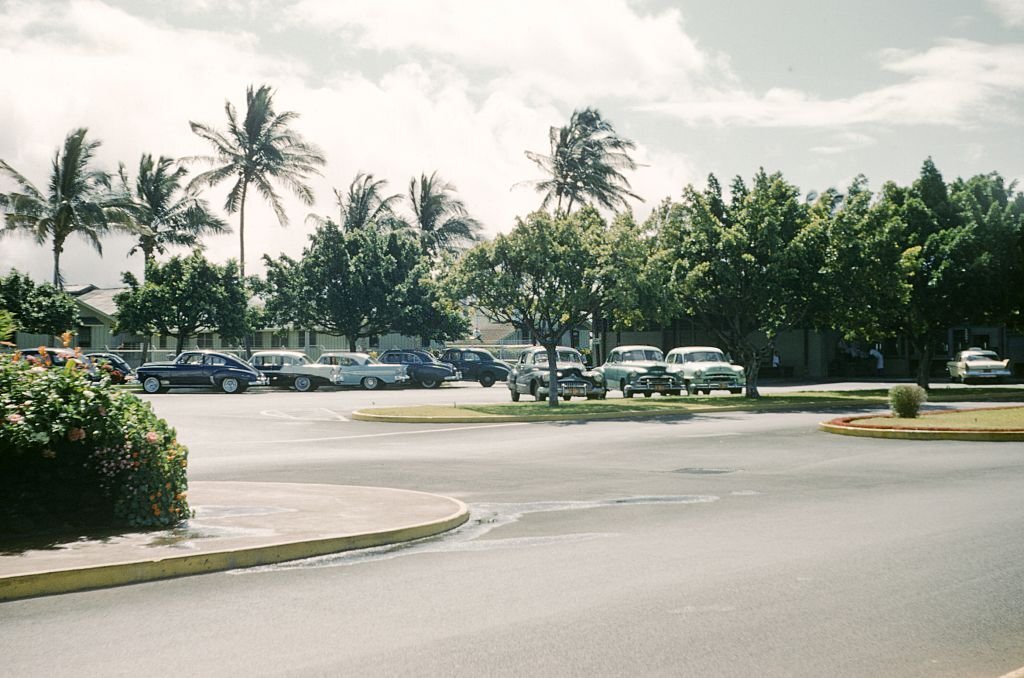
119,574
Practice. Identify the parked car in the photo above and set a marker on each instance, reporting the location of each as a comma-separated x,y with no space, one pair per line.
477,364
291,369
704,368
530,374
424,370
114,365
979,364
59,357
639,369
193,369
360,369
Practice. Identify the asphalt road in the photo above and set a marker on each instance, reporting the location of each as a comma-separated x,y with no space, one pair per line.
718,545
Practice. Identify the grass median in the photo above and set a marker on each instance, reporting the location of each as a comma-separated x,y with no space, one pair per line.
996,419
683,405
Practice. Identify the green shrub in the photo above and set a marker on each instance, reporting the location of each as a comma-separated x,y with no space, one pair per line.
75,453
906,400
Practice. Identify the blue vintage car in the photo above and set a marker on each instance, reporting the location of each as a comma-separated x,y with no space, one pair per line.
424,370
197,369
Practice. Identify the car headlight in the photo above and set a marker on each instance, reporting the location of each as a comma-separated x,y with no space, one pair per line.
697,373
558,374
594,376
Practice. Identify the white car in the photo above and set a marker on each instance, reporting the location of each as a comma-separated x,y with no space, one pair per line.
360,369
704,368
291,369
978,363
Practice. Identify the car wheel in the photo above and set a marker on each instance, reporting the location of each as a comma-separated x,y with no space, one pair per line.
303,384
231,385
371,383
487,380
151,385
535,390
734,391
566,397
689,388
430,383
515,395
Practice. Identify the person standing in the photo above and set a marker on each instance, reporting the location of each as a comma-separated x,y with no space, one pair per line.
879,360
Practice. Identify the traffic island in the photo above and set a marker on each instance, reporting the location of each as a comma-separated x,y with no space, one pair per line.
236,525
990,424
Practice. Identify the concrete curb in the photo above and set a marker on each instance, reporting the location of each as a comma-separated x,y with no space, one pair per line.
844,427
138,571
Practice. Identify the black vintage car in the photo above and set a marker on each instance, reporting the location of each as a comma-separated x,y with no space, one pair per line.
113,364
59,357
196,369
423,369
477,364
530,374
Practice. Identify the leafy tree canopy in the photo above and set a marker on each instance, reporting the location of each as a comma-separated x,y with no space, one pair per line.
37,309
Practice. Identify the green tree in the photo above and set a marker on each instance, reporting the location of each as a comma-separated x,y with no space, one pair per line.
77,201
7,326
584,165
544,276
440,220
166,215
743,269
182,297
258,152
361,283
364,204
37,309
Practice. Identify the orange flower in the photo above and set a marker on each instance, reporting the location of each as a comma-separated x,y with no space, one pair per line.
76,434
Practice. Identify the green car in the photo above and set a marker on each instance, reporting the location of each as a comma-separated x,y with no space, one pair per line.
704,368
639,369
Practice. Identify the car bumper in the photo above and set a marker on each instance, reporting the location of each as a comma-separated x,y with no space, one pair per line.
655,385
579,389
716,384
454,377
262,381
990,374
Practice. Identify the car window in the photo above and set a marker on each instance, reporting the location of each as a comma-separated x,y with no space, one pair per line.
470,357
540,358
191,359
215,360
453,356
652,354
391,358
977,357
411,358
569,357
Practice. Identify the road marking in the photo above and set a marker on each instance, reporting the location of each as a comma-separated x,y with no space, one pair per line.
278,414
1019,673
474,427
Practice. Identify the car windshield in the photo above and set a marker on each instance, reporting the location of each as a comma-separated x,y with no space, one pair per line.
563,357
641,355
704,357
979,357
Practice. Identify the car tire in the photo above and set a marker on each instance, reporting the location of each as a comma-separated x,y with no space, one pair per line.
535,390
566,398
371,383
231,385
487,380
515,395
430,383
152,385
303,384
689,388
735,391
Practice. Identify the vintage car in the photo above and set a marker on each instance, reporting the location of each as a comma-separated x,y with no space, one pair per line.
114,365
292,369
423,369
360,369
477,364
639,369
196,369
703,369
979,364
531,374
59,357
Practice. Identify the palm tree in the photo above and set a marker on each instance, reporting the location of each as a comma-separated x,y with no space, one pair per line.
364,204
77,201
586,156
167,216
441,221
259,152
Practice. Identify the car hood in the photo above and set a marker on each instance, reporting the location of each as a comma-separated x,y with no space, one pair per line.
158,364
706,365
987,364
649,365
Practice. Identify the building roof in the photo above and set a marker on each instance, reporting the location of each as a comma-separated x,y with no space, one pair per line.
99,300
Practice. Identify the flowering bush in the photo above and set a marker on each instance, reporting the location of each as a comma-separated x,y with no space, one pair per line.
75,452
906,400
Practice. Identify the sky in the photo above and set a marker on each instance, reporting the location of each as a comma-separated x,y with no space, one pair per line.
820,90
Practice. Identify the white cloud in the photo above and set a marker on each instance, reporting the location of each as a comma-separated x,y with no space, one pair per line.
1010,11
958,82
845,142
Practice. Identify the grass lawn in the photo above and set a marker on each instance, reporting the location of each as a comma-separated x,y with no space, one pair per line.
1006,418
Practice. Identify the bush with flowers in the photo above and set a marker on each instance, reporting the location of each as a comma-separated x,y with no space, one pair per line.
76,453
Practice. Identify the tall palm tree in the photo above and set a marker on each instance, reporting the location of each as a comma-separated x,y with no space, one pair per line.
364,204
440,220
258,152
586,156
78,200
167,215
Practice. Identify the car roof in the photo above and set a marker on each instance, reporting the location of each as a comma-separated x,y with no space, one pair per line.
277,353
535,349
687,349
329,353
636,347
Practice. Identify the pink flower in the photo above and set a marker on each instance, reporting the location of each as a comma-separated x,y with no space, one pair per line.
152,437
15,418
76,434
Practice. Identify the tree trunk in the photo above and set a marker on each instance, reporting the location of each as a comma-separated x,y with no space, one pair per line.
180,343
751,366
58,247
924,368
552,374
241,232
352,343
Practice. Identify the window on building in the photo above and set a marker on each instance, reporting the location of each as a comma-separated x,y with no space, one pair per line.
257,340
84,336
162,342
374,342
312,338
279,340
204,340
424,342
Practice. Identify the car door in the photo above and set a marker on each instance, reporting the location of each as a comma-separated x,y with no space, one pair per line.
470,365
611,369
188,370
521,369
